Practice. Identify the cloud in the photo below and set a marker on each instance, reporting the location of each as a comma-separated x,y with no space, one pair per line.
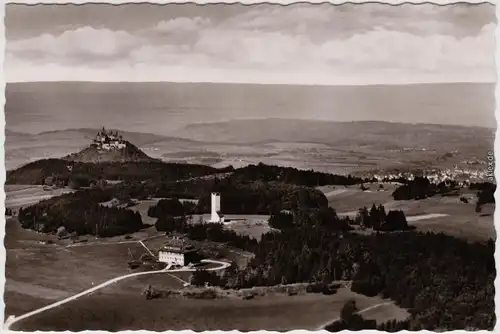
82,43
395,49
304,44
182,24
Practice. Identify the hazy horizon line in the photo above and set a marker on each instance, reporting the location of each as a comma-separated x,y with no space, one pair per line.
254,83
247,119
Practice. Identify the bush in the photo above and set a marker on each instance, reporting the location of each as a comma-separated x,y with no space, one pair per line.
166,207
170,223
281,220
395,221
201,277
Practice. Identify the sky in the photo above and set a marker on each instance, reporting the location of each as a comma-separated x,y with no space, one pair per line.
268,44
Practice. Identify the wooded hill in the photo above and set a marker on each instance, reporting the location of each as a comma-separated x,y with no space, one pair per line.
63,171
129,153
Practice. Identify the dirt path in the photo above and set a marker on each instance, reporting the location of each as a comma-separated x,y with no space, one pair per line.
149,251
185,283
322,327
335,192
427,216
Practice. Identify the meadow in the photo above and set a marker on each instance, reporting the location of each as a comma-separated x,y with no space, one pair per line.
457,218
130,310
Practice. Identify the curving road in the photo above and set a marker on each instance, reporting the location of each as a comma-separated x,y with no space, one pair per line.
12,319
359,312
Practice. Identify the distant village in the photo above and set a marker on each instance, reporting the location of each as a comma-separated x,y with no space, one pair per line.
462,176
109,141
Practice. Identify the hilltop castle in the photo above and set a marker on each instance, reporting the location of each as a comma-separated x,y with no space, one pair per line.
109,141
109,146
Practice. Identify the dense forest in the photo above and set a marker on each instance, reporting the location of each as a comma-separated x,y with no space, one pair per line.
282,220
186,189
267,173
260,197
224,181
444,282
63,171
421,187
80,212
167,207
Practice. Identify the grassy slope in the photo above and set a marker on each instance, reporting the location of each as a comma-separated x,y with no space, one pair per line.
132,311
462,221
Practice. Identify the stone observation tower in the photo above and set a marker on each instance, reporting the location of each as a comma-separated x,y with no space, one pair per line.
216,214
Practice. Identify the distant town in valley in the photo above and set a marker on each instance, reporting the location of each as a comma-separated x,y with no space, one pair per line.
250,167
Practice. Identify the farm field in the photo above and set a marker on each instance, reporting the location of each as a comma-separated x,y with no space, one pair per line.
451,215
130,310
45,273
17,196
351,198
142,207
470,225
18,237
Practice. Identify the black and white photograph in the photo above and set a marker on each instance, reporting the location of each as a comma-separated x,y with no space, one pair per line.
320,167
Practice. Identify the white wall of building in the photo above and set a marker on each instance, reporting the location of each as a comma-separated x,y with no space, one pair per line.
171,258
215,207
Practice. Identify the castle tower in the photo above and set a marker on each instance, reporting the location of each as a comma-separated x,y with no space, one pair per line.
215,215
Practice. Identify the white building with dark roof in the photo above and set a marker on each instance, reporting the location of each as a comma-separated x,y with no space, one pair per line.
177,252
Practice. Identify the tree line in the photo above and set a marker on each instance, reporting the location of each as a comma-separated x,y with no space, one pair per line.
421,188
258,197
377,219
81,213
311,178
84,173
